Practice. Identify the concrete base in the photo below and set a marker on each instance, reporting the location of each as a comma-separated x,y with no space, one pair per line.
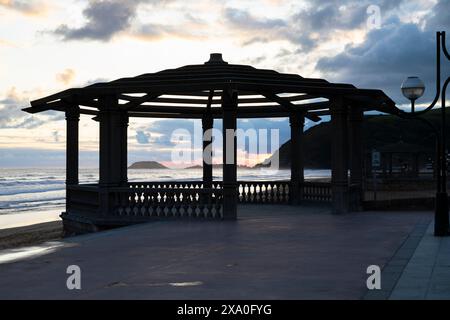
74,225
78,223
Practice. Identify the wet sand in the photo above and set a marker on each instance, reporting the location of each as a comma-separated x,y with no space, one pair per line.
22,219
30,235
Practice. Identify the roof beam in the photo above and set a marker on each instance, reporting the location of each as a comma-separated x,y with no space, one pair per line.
57,107
133,104
218,100
288,105
243,115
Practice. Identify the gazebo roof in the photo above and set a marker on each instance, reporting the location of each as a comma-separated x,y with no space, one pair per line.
189,91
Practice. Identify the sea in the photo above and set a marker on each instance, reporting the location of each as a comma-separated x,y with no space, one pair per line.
35,191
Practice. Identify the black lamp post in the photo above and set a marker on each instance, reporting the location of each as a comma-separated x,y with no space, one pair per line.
413,88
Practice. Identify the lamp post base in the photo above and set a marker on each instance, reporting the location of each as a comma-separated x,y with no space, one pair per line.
441,221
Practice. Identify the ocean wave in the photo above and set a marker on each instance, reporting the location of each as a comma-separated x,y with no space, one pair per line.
33,207
30,189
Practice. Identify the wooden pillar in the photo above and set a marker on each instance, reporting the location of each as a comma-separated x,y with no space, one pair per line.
339,155
356,117
390,164
72,121
113,142
297,121
415,164
207,125
124,148
229,108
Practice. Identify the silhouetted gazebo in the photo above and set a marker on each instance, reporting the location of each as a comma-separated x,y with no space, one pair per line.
208,91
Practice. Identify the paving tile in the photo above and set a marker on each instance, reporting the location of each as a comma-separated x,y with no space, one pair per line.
427,275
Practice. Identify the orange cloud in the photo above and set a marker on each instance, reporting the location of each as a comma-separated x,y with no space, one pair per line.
66,77
28,7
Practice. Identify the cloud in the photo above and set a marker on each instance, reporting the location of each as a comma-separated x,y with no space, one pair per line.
243,19
104,20
11,115
55,135
187,28
28,7
107,18
439,19
390,54
160,132
325,16
151,31
315,22
7,43
66,77
142,137
20,157
254,29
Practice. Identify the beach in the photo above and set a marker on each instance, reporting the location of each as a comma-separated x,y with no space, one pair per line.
30,235
29,228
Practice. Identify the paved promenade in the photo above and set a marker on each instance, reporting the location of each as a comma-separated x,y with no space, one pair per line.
271,252
427,274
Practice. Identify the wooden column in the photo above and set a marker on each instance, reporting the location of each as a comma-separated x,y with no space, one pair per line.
339,155
390,163
207,125
72,121
356,117
124,148
113,142
297,121
229,108
415,164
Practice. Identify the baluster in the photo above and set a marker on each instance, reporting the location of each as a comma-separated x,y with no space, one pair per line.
135,203
186,203
262,192
203,195
154,202
192,203
281,193
270,192
171,203
209,206
218,205
240,192
177,205
285,185
273,192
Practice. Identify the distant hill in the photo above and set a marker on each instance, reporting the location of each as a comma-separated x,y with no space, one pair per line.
378,131
147,165
157,165
218,166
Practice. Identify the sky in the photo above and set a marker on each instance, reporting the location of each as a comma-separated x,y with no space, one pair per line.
49,45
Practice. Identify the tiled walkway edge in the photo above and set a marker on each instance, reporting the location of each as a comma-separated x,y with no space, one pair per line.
393,270
427,275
